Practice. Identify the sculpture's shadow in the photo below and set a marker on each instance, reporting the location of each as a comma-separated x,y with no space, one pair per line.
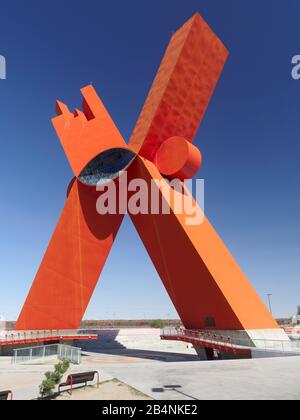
108,344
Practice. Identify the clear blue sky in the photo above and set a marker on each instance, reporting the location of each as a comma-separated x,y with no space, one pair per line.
249,138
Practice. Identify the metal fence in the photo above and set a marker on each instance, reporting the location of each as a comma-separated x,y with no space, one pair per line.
72,354
61,351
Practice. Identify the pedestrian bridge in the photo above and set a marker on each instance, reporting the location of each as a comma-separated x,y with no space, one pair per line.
241,347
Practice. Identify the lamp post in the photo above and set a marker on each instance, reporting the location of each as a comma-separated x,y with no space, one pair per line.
269,300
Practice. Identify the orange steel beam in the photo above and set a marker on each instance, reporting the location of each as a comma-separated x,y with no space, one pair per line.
199,273
83,239
202,278
71,266
182,89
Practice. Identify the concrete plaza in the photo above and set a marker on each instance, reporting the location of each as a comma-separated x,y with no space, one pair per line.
166,371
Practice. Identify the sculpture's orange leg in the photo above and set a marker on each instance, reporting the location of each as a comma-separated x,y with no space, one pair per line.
83,239
202,278
71,266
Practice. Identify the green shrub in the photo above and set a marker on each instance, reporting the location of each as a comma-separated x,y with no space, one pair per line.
53,378
158,323
56,377
66,365
47,387
62,367
48,375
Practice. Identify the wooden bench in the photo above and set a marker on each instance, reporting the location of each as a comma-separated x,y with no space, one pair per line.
6,395
79,378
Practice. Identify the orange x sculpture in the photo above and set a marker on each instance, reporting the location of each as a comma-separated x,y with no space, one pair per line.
202,278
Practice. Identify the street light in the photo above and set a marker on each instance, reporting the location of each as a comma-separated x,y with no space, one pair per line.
269,300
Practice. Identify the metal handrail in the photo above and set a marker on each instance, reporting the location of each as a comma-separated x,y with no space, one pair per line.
212,337
17,336
62,351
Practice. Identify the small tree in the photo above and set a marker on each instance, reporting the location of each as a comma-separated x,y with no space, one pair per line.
61,368
53,378
47,387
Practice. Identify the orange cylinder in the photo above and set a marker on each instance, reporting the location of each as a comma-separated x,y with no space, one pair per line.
178,158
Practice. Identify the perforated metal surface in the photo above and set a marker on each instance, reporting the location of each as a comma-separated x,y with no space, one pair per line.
106,166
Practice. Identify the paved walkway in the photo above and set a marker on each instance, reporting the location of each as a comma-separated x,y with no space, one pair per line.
24,380
271,379
170,373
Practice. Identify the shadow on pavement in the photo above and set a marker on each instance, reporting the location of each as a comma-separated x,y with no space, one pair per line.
175,388
107,344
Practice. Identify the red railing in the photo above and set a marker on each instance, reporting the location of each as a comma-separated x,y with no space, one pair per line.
207,339
23,337
232,343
